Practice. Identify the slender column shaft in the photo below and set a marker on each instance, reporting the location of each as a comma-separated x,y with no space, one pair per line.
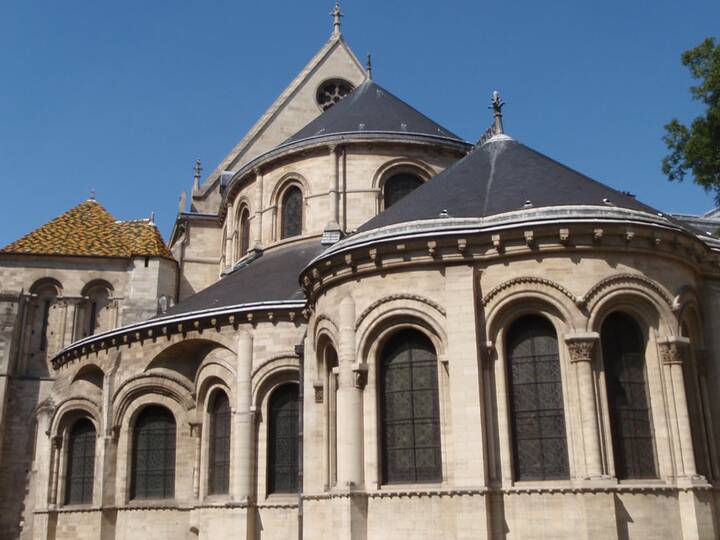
335,187
196,430
244,419
258,208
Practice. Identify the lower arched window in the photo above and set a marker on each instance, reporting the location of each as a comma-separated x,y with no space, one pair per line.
397,186
283,409
410,410
219,462
291,208
536,401
80,463
623,350
153,454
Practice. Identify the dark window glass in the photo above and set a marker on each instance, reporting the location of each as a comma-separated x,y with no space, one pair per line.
410,410
536,401
396,187
80,463
244,232
292,212
219,477
45,322
283,440
154,454
624,358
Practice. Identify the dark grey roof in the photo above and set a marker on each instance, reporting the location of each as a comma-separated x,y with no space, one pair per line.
497,177
272,277
371,109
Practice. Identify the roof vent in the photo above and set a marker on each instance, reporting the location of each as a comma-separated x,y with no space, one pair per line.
361,126
444,214
607,201
528,204
403,126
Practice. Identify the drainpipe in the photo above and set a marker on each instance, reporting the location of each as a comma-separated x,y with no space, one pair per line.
300,351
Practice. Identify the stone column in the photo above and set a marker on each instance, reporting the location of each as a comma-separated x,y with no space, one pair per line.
582,348
258,209
56,454
196,433
673,352
332,230
244,420
351,381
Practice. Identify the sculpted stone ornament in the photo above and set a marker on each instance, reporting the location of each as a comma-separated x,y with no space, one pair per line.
673,350
360,375
582,346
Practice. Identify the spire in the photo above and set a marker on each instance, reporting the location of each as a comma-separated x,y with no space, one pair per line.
496,106
197,169
368,66
336,14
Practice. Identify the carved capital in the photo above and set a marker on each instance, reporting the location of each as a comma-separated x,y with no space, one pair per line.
57,441
195,429
673,349
360,375
318,389
582,346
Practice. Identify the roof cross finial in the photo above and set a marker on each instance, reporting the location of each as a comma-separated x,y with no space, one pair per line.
496,106
197,169
368,66
92,194
336,14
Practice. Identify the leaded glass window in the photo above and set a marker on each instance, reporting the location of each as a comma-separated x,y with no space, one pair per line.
80,463
283,410
624,361
410,410
292,212
219,466
396,187
536,401
153,454
244,232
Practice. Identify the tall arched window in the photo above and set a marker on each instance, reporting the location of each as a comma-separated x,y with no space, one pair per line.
331,386
536,400
410,410
80,463
153,454
399,185
91,316
283,440
243,232
291,208
219,462
623,350
45,295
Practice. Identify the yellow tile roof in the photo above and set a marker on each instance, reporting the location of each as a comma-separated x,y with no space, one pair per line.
91,231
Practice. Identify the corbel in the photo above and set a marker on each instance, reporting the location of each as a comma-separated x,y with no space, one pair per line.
360,374
529,238
564,235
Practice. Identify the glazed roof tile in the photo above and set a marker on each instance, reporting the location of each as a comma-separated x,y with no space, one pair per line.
89,230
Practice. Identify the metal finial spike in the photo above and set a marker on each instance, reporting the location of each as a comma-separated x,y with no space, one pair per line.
368,66
336,14
92,194
197,169
152,218
497,105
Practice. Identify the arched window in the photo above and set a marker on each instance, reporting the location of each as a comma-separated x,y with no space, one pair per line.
80,463
623,350
219,462
291,212
243,232
153,454
399,185
410,411
283,440
45,296
331,386
91,316
536,401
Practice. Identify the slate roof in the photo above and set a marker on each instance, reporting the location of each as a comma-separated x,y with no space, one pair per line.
89,230
273,277
371,109
497,177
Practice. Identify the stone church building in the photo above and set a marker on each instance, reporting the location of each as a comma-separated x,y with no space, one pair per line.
363,328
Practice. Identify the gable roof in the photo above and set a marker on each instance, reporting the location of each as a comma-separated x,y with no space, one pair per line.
501,176
372,109
89,230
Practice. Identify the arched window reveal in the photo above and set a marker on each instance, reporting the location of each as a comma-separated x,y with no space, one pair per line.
153,454
624,362
283,440
244,232
292,212
219,462
398,186
410,410
80,463
536,401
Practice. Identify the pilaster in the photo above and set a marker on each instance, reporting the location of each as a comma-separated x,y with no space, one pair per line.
243,420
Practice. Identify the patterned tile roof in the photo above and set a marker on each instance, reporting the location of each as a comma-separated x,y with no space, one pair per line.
89,230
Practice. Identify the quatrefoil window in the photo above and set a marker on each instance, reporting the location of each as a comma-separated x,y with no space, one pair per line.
331,92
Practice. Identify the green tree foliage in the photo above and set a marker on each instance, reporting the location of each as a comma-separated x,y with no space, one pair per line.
697,148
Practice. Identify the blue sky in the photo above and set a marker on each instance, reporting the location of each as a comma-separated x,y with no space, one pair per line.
122,97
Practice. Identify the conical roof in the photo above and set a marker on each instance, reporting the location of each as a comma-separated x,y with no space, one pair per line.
501,176
89,230
371,109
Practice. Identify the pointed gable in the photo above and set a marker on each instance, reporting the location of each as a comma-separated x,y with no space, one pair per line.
89,230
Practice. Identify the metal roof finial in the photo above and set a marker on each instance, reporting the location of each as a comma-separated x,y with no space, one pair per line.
92,194
197,169
336,14
496,106
368,66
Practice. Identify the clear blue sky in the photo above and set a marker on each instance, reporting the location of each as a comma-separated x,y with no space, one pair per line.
124,96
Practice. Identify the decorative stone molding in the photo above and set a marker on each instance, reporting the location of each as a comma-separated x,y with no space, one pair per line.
360,374
636,279
319,390
393,297
673,349
526,280
582,346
